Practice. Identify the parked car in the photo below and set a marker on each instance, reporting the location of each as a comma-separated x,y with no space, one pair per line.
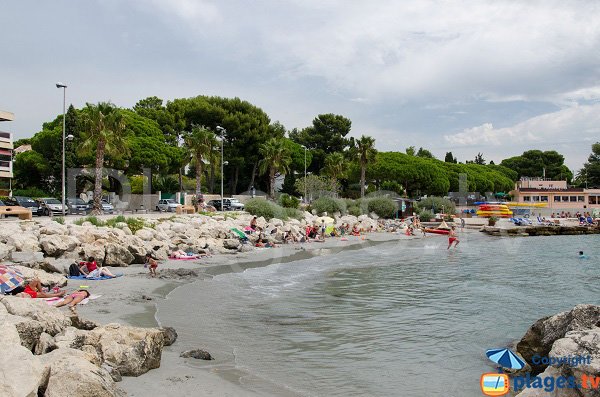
51,206
229,204
107,207
78,206
167,205
26,202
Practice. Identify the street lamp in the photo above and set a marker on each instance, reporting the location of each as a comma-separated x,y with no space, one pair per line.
64,87
223,131
304,173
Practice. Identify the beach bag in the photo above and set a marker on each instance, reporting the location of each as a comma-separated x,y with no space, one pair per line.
74,270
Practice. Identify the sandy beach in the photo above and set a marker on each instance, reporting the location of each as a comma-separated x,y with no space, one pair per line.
132,299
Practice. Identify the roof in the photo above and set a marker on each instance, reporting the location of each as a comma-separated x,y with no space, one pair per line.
6,116
549,190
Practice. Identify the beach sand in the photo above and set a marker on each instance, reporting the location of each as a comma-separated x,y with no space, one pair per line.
132,300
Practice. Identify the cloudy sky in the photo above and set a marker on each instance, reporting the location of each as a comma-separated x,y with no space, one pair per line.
497,77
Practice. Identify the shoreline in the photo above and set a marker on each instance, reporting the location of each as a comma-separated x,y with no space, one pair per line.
219,377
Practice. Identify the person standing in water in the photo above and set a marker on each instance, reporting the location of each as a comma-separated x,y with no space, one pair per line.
452,239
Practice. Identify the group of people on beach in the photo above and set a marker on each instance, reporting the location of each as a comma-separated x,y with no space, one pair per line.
34,290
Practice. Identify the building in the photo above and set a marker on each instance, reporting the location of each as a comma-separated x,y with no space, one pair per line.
557,194
6,148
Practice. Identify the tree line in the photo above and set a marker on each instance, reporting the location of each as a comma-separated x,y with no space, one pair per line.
188,134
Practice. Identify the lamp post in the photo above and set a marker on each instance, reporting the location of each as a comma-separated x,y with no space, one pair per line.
223,131
64,87
304,173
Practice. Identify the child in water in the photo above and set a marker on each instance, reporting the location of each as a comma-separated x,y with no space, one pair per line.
582,255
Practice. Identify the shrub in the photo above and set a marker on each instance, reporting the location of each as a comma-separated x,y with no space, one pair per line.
135,224
384,207
30,192
293,213
92,219
425,215
117,219
59,219
354,210
329,205
264,208
435,204
287,201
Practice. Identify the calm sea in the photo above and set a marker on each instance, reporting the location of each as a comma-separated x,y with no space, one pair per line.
406,318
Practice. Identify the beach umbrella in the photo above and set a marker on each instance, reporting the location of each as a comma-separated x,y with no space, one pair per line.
9,279
506,358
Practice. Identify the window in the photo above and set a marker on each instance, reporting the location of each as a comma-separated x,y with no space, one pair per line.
526,198
581,199
573,199
565,199
594,200
557,199
544,198
536,198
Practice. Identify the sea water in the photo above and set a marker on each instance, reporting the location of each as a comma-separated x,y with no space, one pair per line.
403,318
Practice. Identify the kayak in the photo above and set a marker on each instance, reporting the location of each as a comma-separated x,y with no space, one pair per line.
436,231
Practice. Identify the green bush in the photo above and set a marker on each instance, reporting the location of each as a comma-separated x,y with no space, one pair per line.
59,219
135,224
92,219
329,205
117,219
354,210
264,208
425,215
384,207
30,192
435,205
287,201
293,213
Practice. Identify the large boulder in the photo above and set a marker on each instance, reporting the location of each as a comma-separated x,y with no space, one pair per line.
55,244
136,247
27,258
145,234
47,279
132,351
54,228
53,321
95,249
231,243
540,337
73,375
6,251
54,265
24,242
29,330
117,255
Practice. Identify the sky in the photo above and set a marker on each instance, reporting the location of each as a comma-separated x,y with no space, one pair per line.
492,76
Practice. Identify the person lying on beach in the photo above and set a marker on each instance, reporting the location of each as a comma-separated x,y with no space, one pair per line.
34,290
152,264
452,239
262,244
73,299
91,269
181,254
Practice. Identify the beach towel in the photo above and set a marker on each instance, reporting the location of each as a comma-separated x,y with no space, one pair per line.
185,258
93,278
56,299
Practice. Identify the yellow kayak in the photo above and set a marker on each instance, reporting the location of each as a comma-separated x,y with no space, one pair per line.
536,205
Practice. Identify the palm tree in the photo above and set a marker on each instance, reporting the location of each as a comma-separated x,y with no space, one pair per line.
276,158
103,132
335,165
365,149
200,141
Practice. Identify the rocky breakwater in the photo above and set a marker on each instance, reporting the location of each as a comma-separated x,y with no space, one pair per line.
46,353
52,247
571,334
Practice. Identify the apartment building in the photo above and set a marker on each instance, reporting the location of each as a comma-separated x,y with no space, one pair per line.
6,148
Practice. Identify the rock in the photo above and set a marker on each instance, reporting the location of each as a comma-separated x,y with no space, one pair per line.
245,248
21,373
6,251
231,244
27,257
540,337
95,249
114,373
24,242
47,279
178,274
145,234
132,351
45,344
54,244
54,265
54,228
73,375
52,320
136,247
169,334
197,354
276,222
29,331
117,255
